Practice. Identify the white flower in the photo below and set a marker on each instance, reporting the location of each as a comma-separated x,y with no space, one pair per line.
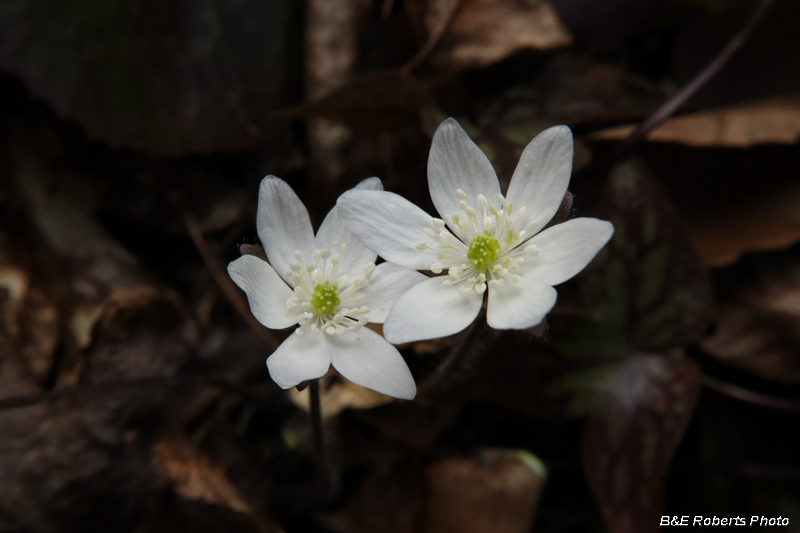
331,287
494,243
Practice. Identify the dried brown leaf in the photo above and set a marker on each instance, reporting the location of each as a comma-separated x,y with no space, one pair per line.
30,320
769,221
195,477
494,491
759,328
483,32
776,120
628,444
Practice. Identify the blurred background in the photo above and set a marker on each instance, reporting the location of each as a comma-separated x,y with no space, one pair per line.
133,391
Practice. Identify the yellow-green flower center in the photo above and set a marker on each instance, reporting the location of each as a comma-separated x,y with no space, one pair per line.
484,251
325,299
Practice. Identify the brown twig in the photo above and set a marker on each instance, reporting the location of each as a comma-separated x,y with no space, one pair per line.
695,84
28,400
433,39
748,396
224,281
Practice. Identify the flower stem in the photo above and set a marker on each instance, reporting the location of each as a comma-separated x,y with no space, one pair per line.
320,451
463,354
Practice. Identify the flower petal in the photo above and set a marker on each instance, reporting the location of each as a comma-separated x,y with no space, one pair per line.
365,358
390,225
519,305
299,358
391,281
283,224
266,291
565,249
455,162
333,232
541,177
429,310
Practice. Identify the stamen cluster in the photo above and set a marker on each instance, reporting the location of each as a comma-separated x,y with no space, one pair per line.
494,252
319,293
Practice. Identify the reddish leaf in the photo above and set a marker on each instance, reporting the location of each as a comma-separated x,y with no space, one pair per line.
627,447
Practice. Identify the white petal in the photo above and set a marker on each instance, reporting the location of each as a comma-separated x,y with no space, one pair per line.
266,291
365,358
333,232
299,358
542,176
456,163
429,310
519,305
565,249
390,225
369,184
390,282
283,224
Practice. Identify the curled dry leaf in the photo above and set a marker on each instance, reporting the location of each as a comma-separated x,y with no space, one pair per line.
629,442
30,320
776,120
769,221
101,285
196,478
759,328
483,32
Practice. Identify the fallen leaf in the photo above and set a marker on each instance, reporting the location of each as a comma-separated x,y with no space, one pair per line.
483,32
30,319
776,120
170,78
389,499
758,328
769,221
640,417
195,477
495,490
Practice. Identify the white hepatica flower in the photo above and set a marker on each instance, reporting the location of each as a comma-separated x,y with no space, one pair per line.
330,286
495,243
